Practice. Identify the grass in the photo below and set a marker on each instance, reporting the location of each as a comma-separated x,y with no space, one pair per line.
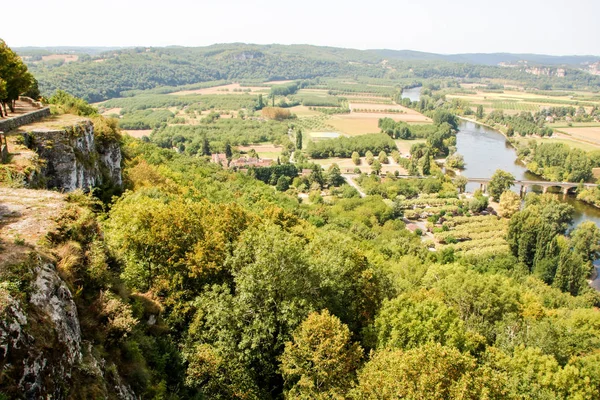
404,145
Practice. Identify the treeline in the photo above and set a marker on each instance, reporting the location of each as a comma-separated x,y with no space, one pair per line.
15,80
345,146
145,119
199,102
536,237
236,131
558,162
524,124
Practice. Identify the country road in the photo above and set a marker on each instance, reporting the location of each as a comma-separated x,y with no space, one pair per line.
348,178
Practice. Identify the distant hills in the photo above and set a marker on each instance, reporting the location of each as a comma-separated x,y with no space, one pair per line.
352,54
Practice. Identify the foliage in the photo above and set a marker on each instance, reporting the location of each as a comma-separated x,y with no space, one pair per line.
320,361
499,183
345,146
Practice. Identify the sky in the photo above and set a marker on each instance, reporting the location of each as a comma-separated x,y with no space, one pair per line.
440,26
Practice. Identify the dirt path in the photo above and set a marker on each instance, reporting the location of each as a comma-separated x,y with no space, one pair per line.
26,216
21,108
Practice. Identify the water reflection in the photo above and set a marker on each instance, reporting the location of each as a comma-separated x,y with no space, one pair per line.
486,150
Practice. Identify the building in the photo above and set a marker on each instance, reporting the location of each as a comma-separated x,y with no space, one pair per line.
219,158
250,162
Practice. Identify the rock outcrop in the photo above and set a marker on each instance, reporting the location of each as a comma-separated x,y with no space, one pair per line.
72,159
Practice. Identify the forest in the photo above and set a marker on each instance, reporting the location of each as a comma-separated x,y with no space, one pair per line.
116,73
197,281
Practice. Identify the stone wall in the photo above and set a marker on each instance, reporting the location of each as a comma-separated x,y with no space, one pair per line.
34,116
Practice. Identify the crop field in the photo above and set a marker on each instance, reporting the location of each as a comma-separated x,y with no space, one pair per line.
405,145
514,105
324,135
591,134
137,133
304,111
67,58
561,138
233,88
525,100
264,150
479,235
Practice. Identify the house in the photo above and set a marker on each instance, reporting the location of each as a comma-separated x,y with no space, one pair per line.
549,119
250,162
219,158
306,172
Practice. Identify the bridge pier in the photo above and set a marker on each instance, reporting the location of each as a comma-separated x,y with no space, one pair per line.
523,191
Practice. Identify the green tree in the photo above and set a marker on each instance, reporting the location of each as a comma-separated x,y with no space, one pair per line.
14,75
383,158
510,203
356,158
430,372
585,240
479,112
334,175
376,166
500,182
461,183
320,361
299,140
205,146
369,157
228,152
283,183
572,270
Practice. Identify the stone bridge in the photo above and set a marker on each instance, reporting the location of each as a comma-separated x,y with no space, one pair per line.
564,187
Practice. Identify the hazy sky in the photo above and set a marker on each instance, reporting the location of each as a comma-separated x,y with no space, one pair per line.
517,26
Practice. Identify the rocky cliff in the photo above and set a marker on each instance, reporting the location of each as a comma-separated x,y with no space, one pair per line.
45,351
73,157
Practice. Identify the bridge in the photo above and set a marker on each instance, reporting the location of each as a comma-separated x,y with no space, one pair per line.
564,187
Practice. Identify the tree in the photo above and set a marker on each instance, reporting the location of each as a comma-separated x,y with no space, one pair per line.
261,103
299,140
228,152
510,203
376,166
571,271
479,112
369,157
356,158
283,183
501,181
205,146
585,239
461,183
430,372
320,361
510,131
383,157
334,176
14,77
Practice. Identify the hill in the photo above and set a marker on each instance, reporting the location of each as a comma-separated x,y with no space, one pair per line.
100,76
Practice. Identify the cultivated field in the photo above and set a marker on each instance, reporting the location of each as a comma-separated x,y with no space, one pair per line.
362,123
67,58
137,133
588,134
264,150
233,88
347,166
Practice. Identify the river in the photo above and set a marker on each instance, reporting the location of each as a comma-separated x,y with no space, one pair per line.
414,94
485,150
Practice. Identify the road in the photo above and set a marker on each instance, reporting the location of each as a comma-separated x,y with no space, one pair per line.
348,178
